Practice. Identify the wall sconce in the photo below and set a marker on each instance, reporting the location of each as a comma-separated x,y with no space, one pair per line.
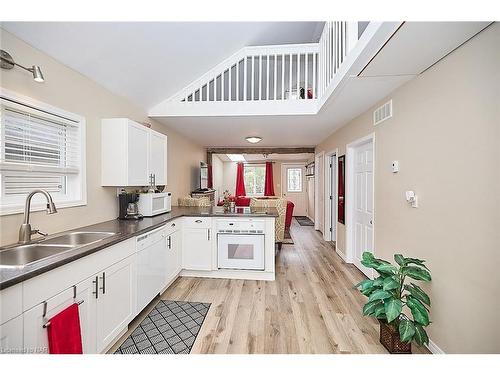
7,62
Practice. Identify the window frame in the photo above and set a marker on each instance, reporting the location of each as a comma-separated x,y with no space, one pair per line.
254,179
78,182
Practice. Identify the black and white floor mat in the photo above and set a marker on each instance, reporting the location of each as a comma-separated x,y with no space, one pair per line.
304,221
170,328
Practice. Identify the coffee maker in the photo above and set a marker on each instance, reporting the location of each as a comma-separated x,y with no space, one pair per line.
128,206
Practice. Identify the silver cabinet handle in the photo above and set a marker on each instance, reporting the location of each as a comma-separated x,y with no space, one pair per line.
173,224
169,242
96,282
198,221
208,234
103,287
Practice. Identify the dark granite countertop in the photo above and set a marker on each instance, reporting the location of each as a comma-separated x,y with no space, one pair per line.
124,229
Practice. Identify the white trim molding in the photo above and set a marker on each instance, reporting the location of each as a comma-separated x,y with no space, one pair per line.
329,190
434,349
349,184
317,158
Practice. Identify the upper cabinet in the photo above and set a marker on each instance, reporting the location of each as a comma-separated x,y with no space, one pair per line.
158,157
131,153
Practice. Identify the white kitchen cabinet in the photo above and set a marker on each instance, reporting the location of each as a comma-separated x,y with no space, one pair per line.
116,300
35,335
197,249
131,153
11,336
158,156
174,260
124,153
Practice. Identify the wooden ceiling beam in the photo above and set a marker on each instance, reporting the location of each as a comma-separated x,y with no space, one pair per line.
261,150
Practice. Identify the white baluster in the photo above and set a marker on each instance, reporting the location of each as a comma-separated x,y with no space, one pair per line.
290,82
260,77
315,95
306,75
245,74
229,83
283,77
298,76
253,78
275,74
238,81
267,78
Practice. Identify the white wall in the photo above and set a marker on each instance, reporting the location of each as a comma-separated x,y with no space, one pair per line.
73,92
445,132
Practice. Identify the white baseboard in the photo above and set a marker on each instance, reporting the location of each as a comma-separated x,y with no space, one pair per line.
434,349
231,274
341,254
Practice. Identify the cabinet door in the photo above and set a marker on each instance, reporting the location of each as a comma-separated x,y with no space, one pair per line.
137,155
197,249
11,336
35,335
173,259
157,156
115,301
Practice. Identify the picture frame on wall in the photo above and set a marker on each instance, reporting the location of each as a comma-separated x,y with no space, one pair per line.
341,190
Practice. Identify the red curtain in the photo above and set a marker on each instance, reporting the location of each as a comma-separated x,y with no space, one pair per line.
240,181
210,183
269,183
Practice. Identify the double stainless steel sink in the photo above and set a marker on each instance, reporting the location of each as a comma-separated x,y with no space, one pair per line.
22,255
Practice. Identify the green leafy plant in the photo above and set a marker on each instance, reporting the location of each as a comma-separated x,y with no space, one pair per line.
388,295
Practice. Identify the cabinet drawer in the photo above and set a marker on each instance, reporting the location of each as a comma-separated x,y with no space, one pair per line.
198,222
11,302
172,226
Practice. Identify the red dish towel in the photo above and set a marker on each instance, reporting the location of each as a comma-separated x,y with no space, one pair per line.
64,332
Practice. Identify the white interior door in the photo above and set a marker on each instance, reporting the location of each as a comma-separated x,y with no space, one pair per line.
332,198
310,198
294,188
362,203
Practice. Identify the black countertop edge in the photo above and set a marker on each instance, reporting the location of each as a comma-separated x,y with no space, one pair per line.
124,229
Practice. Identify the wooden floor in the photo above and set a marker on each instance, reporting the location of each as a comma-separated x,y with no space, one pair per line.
310,308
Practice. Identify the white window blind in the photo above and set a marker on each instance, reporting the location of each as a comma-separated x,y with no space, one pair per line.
40,148
38,142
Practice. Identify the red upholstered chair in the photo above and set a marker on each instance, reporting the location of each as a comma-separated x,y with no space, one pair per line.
289,214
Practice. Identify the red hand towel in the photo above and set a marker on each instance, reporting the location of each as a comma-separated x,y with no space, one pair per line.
64,332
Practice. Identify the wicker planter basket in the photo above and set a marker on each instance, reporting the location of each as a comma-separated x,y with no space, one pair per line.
389,337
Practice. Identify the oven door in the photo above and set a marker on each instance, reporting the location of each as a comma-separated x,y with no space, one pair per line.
240,251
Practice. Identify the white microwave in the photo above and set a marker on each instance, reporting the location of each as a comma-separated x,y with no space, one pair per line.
152,204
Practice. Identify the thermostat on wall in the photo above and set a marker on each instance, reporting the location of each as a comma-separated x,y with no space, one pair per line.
395,166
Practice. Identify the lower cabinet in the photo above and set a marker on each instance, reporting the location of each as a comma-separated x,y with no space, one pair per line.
106,306
174,256
115,301
197,249
35,335
11,336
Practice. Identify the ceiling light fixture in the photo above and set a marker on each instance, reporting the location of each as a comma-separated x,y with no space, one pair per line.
253,139
7,62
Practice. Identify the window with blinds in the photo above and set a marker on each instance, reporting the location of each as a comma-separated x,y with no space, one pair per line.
39,149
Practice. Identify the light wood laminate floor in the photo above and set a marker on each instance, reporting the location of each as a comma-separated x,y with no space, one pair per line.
311,307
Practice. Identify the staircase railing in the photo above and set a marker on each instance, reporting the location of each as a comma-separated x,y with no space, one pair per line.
275,73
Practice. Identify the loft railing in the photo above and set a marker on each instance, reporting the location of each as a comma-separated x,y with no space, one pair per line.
337,39
283,72
270,74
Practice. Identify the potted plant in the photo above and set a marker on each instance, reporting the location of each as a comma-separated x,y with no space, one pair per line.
391,300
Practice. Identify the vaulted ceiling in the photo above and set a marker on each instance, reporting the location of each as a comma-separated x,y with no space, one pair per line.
148,62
